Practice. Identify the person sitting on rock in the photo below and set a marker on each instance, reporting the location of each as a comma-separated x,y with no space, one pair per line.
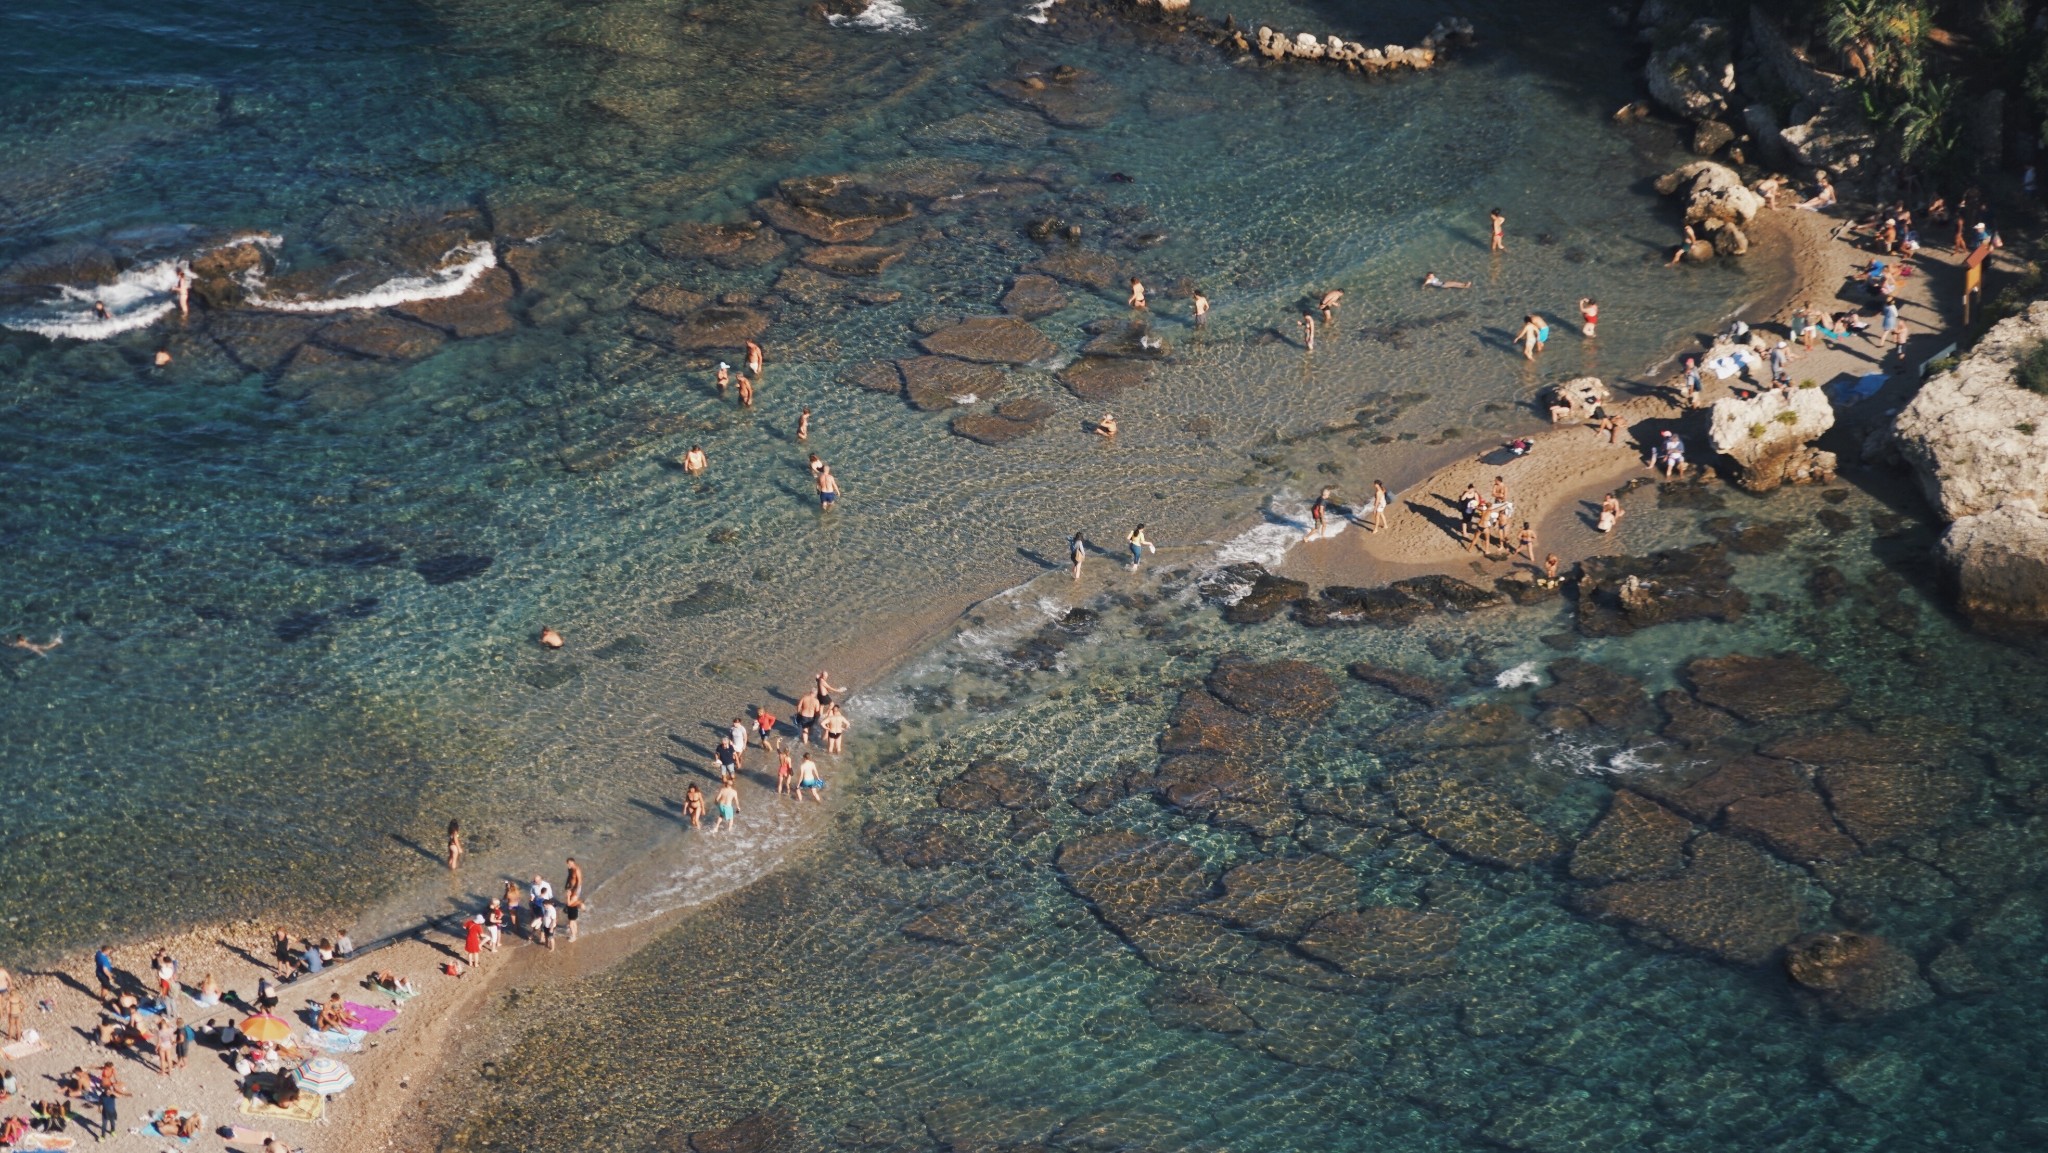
1823,197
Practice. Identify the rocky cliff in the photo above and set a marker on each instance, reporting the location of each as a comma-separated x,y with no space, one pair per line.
1769,437
1978,441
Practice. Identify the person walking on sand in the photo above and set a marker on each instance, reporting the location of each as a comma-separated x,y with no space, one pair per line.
572,897
693,806
494,925
1689,388
784,774
1899,338
1527,541
1308,331
808,782
1077,551
1610,513
754,358
828,489
111,1090
1137,300
1318,514
473,939
1500,490
803,425
1500,224
454,844
1589,312
1328,304
1135,539
739,742
1379,506
1550,564
728,801
550,916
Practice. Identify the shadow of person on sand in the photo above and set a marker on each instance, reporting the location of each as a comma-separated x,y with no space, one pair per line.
422,850
1039,559
669,809
1589,514
1452,526
700,750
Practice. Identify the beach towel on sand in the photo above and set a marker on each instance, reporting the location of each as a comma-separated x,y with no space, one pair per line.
337,1040
46,1141
309,1107
1731,364
370,1020
21,1049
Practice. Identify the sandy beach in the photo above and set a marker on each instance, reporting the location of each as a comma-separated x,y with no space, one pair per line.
1558,485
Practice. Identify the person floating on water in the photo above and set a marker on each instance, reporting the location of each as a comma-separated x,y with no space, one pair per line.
21,641
1432,280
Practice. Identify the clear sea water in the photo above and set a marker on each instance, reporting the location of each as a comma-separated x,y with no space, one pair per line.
262,702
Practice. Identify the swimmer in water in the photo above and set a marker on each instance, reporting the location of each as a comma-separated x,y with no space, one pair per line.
828,489
99,309
163,357
746,392
1308,330
817,466
1432,280
1106,426
1329,303
1201,308
695,462
808,782
693,806
1077,551
1500,224
1137,293
754,359
41,650
785,773
184,290
803,425
550,639
724,376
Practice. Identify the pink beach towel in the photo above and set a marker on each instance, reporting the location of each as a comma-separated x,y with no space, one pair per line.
367,1019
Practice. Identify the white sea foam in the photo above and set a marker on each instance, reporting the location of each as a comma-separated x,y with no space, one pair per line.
459,270
1526,673
881,16
1036,13
965,398
137,298
1287,524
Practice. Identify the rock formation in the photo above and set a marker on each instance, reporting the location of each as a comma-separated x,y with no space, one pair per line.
1978,441
1769,437
1713,192
1359,58
1695,77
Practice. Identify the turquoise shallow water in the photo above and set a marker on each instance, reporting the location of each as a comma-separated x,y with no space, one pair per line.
298,571
297,585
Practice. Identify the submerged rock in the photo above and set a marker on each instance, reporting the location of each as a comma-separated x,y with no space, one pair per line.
1637,839
1095,378
742,245
1420,689
832,209
1032,296
1197,1003
1282,896
936,383
1385,942
1012,420
1472,820
1069,97
718,326
1857,975
1592,694
919,846
672,302
1129,878
851,259
991,340
1766,688
1731,900
994,785
1998,564
1296,692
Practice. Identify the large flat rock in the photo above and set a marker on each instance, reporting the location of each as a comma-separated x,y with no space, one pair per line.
991,340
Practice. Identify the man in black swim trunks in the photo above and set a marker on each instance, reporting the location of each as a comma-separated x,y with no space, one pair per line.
807,711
